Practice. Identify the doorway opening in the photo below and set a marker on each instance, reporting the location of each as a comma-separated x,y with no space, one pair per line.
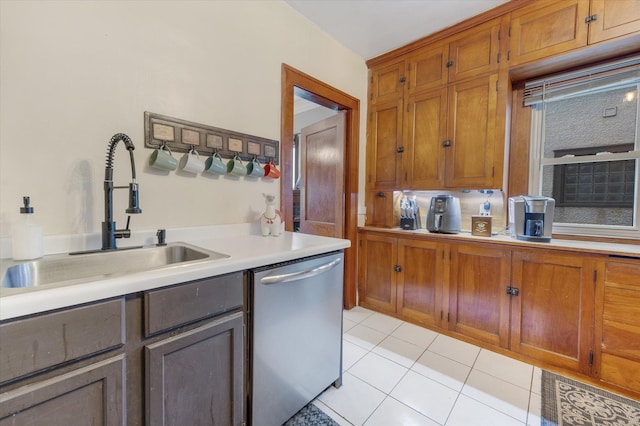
297,83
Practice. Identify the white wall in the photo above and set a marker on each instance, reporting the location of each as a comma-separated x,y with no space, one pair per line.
73,73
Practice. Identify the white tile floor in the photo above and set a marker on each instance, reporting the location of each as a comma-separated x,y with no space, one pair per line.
399,374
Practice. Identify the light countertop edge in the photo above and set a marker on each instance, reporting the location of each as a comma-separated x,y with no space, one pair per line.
602,248
246,252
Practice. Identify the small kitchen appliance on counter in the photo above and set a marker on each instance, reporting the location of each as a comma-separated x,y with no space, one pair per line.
444,214
531,217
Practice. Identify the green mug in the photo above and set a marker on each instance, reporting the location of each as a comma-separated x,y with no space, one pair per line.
215,165
235,166
162,159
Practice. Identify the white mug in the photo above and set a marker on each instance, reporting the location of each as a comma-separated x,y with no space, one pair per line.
191,163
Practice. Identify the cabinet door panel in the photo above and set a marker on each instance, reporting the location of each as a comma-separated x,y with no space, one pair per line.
552,316
92,395
384,139
475,53
547,28
380,210
195,378
479,304
614,19
427,69
377,278
472,130
420,281
387,83
425,131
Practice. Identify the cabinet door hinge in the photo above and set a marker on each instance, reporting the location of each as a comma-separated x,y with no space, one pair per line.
595,276
449,64
499,33
589,19
590,358
441,315
498,57
496,85
407,107
508,54
448,316
493,171
509,33
513,291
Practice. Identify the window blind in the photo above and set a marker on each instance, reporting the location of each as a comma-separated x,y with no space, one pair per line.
617,73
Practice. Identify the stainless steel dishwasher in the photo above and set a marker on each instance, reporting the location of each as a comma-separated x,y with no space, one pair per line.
295,335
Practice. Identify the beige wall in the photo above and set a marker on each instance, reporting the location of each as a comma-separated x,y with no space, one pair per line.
73,73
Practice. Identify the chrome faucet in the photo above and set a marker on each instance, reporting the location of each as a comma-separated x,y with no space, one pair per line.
109,231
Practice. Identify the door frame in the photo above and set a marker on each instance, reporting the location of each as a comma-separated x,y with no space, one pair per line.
330,97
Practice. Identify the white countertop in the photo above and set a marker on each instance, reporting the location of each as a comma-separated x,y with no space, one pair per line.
246,248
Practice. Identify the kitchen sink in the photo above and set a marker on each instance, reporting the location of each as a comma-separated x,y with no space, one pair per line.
68,269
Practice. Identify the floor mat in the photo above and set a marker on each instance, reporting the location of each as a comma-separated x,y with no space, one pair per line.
310,415
566,402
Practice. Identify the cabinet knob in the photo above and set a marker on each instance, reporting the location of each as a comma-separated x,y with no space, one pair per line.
400,149
397,268
446,143
380,194
403,79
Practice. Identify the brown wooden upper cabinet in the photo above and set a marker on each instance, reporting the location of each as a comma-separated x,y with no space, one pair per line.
440,130
547,28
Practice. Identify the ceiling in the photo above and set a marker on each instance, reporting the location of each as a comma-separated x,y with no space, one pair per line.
373,27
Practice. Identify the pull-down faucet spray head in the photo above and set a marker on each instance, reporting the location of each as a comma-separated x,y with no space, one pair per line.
109,233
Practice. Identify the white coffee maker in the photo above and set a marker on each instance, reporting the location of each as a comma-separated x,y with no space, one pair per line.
531,217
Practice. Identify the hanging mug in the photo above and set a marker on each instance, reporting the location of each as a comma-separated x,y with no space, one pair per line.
191,163
254,168
235,166
162,159
271,171
215,165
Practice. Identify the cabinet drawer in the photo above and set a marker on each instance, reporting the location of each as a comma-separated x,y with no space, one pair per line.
622,339
174,306
622,305
620,371
623,273
34,344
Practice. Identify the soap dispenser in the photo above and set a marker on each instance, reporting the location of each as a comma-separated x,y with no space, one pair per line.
26,241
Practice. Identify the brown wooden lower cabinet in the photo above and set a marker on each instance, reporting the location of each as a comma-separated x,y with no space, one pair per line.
563,309
551,319
402,276
618,325
478,299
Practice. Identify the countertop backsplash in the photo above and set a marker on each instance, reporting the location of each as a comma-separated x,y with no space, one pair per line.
470,202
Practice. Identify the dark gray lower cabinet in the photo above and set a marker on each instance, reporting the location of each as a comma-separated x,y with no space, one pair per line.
91,395
195,378
168,356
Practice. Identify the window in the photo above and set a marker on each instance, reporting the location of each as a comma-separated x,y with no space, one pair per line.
585,149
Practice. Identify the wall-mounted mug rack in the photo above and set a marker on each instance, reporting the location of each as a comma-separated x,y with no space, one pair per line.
183,136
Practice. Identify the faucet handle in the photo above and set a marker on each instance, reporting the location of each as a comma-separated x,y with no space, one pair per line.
162,235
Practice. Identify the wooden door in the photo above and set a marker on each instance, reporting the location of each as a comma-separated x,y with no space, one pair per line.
91,395
470,151
322,177
613,19
552,316
380,211
421,279
384,145
425,130
479,304
195,378
428,68
377,277
546,28
475,51
387,83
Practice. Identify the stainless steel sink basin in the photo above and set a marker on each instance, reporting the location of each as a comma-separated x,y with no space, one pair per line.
87,267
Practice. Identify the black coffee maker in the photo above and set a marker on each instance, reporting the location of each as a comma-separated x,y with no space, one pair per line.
531,217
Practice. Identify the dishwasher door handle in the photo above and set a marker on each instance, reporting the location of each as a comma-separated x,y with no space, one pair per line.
295,276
